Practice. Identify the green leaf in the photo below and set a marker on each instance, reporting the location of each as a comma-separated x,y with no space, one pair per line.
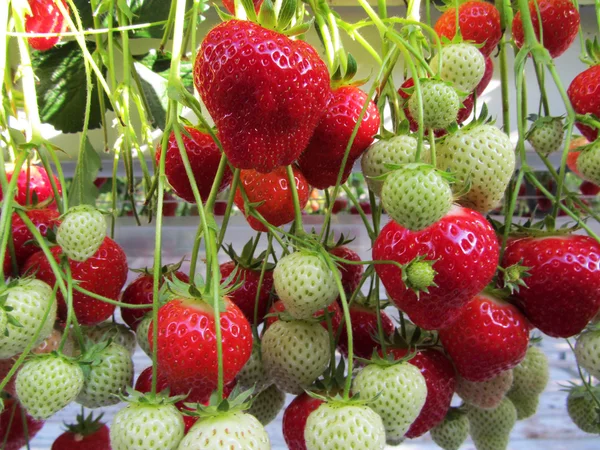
154,88
83,191
149,11
84,8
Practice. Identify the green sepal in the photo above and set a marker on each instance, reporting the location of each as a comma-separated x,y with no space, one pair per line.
247,260
514,276
407,276
159,398
266,15
238,400
85,426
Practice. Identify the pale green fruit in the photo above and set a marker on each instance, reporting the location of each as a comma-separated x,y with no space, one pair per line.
81,232
452,432
587,352
440,104
463,65
485,394
267,404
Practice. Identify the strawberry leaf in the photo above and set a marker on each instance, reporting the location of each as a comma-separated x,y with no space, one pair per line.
83,191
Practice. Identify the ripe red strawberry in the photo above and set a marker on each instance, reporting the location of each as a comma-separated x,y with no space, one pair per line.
272,190
584,94
204,157
322,159
45,18
365,206
87,434
169,205
479,22
12,432
104,274
440,378
560,24
267,116
139,292
487,76
335,311
230,5
39,185
589,188
339,205
563,290
465,250
351,274
488,337
294,420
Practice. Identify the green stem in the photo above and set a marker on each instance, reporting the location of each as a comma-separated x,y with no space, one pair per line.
295,199
361,212
263,271
432,147
225,222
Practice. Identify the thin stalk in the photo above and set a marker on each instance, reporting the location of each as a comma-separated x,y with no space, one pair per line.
261,278
225,222
295,199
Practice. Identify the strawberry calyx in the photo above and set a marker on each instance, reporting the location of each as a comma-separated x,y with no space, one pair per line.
455,413
165,271
156,399
337,399
419,275
247,260
197,292
592,52
576,391
238,400
331,243
85,426
5,310
388,359
514,276
412,337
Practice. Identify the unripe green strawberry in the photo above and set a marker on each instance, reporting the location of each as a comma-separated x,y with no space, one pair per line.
399,393
490,428
485,394
583,410
253,374
463,65
295,354
531,376
304,283
81,232
267,404
108,376
48,383
440,104
453,431
525,406
397,150
147,426
482,156
546,134
141,335
416,196
330,427
117,332
25,302
588,163
231,430
587,352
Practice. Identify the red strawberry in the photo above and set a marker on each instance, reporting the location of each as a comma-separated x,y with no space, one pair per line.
326,148
272,190
560,24
139,292
488,337
339,205
39,185
365,206
45,18
351,274
100,181
584,94
479,22
465,250
169,205
86,434
563,289
204,157
12,432
220,209
104,274
487,77
589,188
230,5
335,311
440,378
266,117
294,420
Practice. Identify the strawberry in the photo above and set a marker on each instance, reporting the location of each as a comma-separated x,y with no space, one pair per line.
230,5
503,333
589,189
87,434
23,305
465,250
588,163
17,428
334,310
169,205
295,354
487,77
104,274
526,406
583,94
546,135
187,348
560,24
490,428
143,383
294,420
81,232
45,17
398,392
48,383
327,427
339,205
452,432
416,196
204,157
141,334
116,332
561,268
479,22
482,156
253,374
267,404
304,283
587,351
267,117
351,273
271,192
583,410
38,180
530,379
140,292
366,207
440,104
463,66
327,146
485,394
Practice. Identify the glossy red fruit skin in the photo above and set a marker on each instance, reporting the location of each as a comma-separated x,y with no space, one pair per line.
273,190
339,205
230,5
140,292
15,436
490,336
187,348
351,274
563,289
479,22
100,440
365,206
560,24
364,331
265,92
589,188
440,378
487,76
245,296
39,184
143,383
104,273
294,420
466,249
584,94
204,157
45,18
335,312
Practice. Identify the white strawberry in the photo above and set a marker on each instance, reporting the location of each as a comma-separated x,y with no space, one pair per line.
463,65
81,232
485,394
440,104
267,404
453,431
587,352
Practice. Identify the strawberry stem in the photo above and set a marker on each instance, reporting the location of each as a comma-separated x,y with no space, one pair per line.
297,207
